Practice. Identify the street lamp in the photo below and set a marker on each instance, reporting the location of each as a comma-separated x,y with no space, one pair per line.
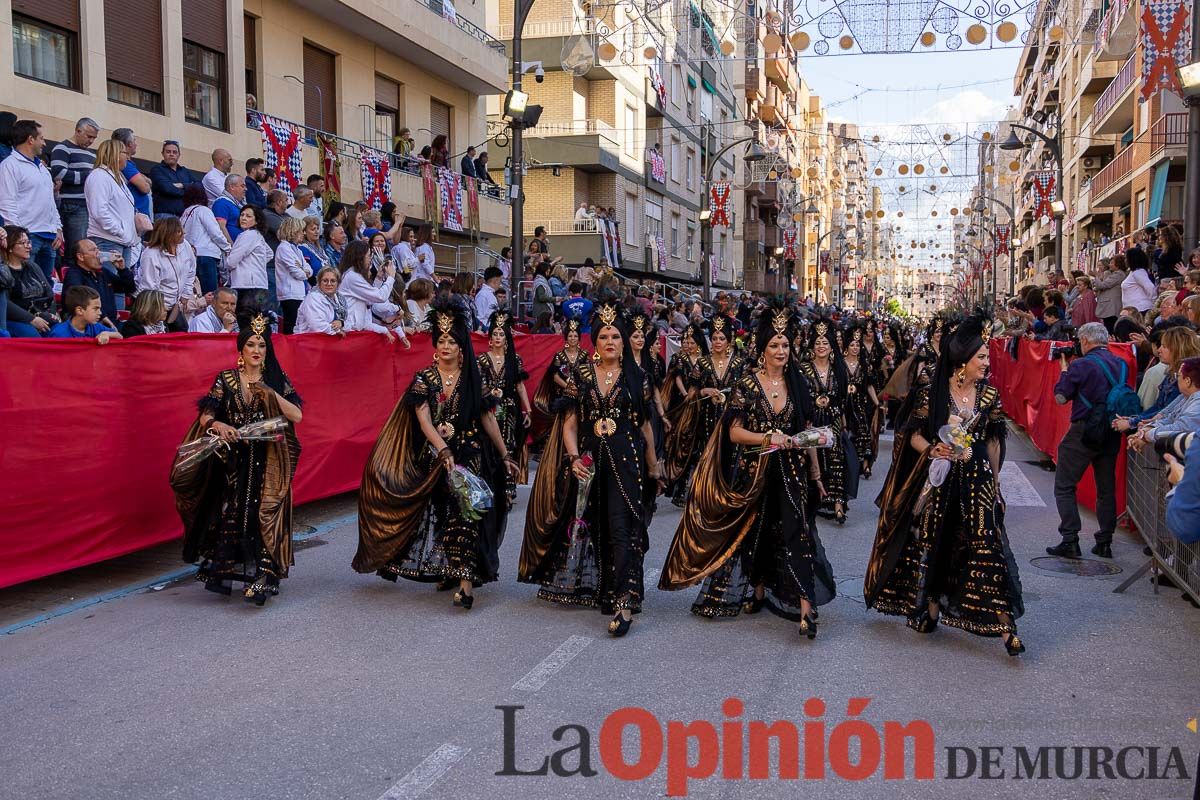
1014,143
754,153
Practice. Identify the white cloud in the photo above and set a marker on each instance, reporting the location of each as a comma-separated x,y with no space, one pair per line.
970,105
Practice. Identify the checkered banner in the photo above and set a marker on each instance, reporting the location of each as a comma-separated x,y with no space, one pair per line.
789,244
281,151
1167,42
376,177
719,204
450,188
610,241
1001,239
658,165
661,256
714,269
1043,187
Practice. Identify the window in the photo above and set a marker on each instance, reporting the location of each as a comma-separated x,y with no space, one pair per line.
691,102
439,120
673,161
630,234
721,250
631,130
320,89
387,112
674,234
45,53
1140,215
133,96
676,83
691,240
250,47
691,165
653,220
134,53
203,86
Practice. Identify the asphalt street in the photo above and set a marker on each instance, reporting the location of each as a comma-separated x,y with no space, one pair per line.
346,686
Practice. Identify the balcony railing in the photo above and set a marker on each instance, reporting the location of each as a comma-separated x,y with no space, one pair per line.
1114,171
562,227
447,12
557,27
1169,130
407,165
1109,23
1113,92
575,127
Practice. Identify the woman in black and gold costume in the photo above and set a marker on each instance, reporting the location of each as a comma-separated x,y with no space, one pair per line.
917,370
825,374
236,505
410,523
892,354
709,384
862,404
941,553
675,388
745,530
504,377
559,378
598,562
643,340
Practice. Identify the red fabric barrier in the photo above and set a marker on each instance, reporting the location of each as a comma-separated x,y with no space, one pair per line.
88,433
1026,387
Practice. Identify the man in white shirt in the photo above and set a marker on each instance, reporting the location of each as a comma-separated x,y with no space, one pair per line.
317,184
219,316
27,194
303,198
485,298
214,179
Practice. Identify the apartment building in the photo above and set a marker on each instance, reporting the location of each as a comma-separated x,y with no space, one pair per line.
667,90
186,71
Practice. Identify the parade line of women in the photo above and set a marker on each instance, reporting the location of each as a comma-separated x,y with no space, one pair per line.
754,439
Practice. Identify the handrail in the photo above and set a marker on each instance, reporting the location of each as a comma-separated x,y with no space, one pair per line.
465,25
1169,130
1114,171
1112,93
562,227
574,127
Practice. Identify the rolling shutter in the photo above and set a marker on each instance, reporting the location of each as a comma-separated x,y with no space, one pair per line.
439,119
204,24
133,43
320,98
60,13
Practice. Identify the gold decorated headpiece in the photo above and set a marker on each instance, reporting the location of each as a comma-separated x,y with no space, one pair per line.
780,322
573,325
856,336
608,314
822,329
719,324
258,325
937,324
639,323
501,320
986,332
445,323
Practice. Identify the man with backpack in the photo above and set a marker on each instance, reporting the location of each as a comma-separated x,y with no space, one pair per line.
1097,386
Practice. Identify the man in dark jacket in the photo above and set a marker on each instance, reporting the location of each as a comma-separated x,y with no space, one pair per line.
468,163
85,270
168,179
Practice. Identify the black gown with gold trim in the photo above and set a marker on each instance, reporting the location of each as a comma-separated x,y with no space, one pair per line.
599,564
409,522
546,398
955,550
861,413
236,505
685,445
501,397
746,519
829,403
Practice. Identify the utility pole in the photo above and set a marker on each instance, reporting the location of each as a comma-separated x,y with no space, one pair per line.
516,171
1191,195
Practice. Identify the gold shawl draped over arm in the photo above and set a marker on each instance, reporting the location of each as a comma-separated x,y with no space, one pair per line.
899,383
395,491
553,488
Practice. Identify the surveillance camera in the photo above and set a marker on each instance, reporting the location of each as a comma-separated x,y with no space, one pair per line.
539,74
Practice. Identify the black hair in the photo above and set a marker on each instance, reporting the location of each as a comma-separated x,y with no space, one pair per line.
260,219
492,272
959,345
23,130
470,403
780,319
273,374
1136,258
632,377
504,320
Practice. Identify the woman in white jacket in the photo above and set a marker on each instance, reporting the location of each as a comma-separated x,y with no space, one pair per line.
323,310
249,257
291,270
1137,290
206,236
110,204
362,295
168,265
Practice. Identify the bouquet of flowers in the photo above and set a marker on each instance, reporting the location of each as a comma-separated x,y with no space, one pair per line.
956,434
191,453
809,437
473,495
578,526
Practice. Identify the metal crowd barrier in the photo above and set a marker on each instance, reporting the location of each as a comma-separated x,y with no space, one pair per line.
1146,506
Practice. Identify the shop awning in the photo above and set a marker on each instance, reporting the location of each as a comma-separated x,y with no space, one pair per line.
708,87
691,81
1158,193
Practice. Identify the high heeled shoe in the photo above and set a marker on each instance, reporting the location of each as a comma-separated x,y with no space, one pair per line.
840,516
258,592
388,573
463,600
754,605
923,622
808,627
1014,645
619,626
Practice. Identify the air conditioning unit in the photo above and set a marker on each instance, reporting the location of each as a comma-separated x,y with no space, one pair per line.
1090,163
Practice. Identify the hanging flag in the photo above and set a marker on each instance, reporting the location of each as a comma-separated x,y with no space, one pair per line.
331,168
432,197
662,253
376,177
789,244
606,248
658,165
281,151
473,206
616,242
714,270
823,261
1001,239
1043,187
719,204
450,184
1167,42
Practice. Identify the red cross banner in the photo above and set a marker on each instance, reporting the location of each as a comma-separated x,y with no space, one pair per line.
719,204
1166,40
823,261
1002,233
1043,187
789,244
473,205
281,151
451,192
376,177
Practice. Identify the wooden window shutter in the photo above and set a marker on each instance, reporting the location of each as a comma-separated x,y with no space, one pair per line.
204,24
60,13
439,119
133,43
387,93
320,99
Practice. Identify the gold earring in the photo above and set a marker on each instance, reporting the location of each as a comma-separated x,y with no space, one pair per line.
596,356
961,376
241,362
761,359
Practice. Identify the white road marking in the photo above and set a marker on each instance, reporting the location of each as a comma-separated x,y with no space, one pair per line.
537,677
1017,489
426,773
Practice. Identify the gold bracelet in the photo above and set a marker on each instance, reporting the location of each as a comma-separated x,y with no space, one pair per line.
766,442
